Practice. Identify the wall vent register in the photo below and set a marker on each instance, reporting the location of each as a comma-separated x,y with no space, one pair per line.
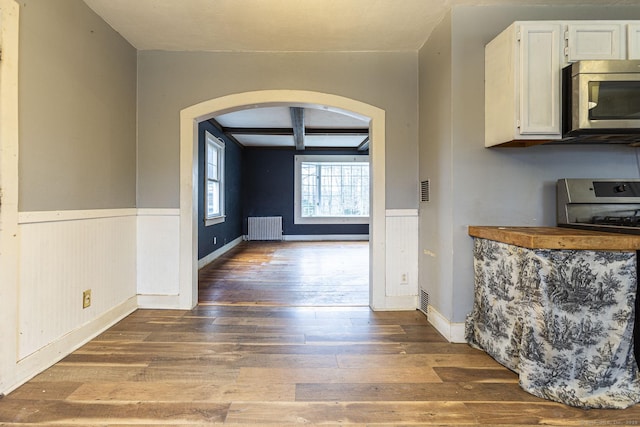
424,302
424,191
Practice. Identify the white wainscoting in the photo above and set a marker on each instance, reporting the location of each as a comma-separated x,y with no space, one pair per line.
130,258
402,255
158,251
61,255
116,253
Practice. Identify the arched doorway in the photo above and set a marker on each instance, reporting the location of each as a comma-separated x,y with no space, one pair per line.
191,116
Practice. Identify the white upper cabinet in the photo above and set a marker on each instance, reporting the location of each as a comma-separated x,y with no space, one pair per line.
539,94
522,84
523,69
593,40
633,41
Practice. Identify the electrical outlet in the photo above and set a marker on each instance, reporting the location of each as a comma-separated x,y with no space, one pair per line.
86,298
404,278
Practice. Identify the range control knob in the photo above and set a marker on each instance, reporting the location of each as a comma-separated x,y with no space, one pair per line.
620,188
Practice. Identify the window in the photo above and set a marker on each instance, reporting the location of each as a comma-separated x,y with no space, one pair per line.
332,189
214,180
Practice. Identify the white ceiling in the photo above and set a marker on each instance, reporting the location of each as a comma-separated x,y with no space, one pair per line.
272,25
287,26
273,117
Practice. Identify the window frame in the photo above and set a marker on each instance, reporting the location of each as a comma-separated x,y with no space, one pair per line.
298,218
219,145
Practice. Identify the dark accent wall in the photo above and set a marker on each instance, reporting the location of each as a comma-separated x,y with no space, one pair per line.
231,228
269,189
258,182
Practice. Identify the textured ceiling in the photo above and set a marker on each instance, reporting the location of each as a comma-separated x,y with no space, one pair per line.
286,25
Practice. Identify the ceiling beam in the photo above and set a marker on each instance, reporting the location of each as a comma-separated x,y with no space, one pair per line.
338,131
364,145
297,122
258,131
289,131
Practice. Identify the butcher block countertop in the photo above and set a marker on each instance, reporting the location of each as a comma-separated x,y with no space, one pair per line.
557,238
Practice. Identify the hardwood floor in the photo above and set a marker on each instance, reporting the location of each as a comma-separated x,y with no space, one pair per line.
289,274
248,358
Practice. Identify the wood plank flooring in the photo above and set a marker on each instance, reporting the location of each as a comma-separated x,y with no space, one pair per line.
289,274
244,360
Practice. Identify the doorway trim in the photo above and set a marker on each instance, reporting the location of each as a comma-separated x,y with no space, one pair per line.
191,116
9,237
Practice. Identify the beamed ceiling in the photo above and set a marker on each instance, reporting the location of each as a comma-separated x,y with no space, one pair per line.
297,127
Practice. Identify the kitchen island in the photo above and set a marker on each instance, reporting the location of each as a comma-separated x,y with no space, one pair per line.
557,306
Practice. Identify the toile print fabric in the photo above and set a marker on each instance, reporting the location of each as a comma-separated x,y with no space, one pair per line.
561,319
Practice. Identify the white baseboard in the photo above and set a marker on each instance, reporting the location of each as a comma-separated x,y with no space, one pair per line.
159,302
52,353
218,253
396,303
325,237
453,332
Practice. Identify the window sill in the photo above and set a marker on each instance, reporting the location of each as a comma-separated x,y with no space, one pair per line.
331,220
214,220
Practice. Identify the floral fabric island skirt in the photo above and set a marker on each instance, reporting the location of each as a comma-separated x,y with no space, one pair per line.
562,319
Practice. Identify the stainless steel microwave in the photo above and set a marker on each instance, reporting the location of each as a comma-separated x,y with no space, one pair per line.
601,97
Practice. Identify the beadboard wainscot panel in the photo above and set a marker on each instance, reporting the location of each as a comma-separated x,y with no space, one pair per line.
62,254
158,258
402,257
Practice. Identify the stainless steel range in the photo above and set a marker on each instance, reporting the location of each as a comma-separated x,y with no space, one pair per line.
611,205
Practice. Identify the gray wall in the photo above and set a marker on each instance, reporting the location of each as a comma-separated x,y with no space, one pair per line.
497,186
435,218
78,124
77,95
171,81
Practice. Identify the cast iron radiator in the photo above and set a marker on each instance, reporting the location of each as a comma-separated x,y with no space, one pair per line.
265,228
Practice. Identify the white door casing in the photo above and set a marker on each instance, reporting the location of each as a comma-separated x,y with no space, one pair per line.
191,116
9,243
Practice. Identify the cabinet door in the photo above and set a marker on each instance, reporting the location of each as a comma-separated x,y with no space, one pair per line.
594,41
539,77
633,41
